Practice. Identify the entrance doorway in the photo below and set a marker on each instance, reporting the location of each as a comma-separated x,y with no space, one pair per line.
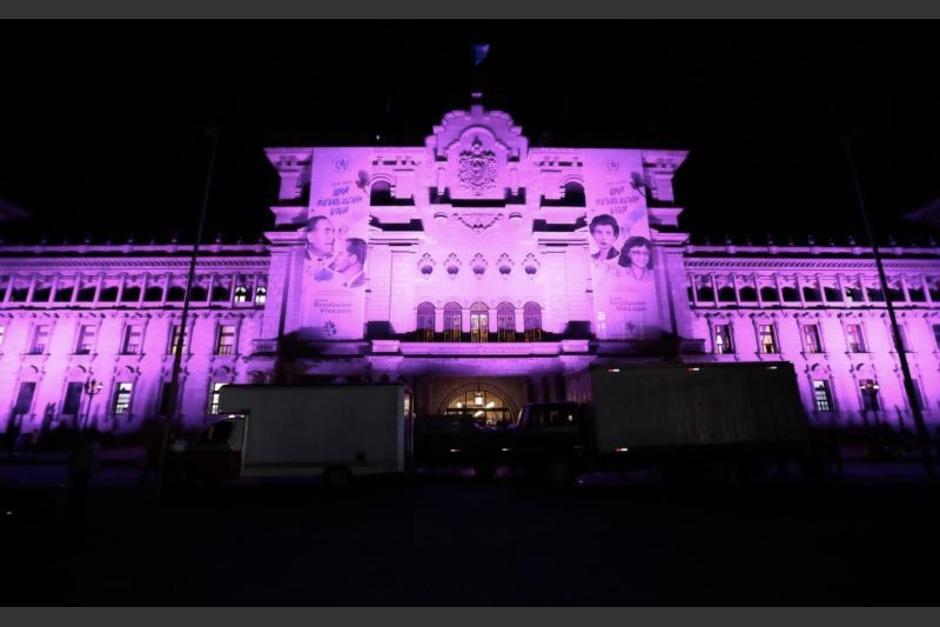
484,405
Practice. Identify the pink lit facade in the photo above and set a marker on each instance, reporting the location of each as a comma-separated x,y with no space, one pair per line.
474,268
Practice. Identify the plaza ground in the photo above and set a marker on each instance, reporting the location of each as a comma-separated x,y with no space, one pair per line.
870,537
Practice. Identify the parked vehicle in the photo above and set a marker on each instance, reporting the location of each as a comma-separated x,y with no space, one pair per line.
684,419
332,431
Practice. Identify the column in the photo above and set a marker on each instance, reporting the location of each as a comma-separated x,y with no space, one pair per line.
231,291
252,288
98,283
841,284
120,292
907,294
861,284
143,289
32,288
923,280
714,288
77,288
760,300
734,285
166,288
695,289
210,288
779,289
12,283
54,286
799,289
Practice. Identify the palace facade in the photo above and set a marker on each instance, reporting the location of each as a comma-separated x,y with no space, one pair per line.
476,269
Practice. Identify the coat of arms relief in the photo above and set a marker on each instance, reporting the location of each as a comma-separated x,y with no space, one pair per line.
477,168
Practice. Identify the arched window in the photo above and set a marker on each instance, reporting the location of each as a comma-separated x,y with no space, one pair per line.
479,322
532,322
261,295
452,322
790,295
176,294
153,294
425,325
768,294
747,294
574,195
220,293
130,294
241,294
726,294
506,322
380,193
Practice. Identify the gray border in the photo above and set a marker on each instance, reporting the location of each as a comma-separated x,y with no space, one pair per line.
386,9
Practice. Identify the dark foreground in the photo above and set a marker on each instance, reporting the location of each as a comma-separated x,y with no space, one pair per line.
436,542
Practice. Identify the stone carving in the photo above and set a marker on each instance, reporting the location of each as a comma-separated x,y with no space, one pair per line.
477,168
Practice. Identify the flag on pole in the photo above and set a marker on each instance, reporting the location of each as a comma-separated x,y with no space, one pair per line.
479,53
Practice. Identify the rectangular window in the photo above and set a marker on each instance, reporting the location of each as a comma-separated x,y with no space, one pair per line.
133,339
225,341
936,335
241,294
24,399
215,396
40,339
811,338
869,391
902,332
822,396
174,340
261,295
724,345
854,340
86,339
918,397
122,398
767,338
72,404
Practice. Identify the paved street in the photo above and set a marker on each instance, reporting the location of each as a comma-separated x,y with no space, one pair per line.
438,541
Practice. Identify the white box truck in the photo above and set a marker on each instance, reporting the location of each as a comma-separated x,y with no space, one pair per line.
332,431
678,417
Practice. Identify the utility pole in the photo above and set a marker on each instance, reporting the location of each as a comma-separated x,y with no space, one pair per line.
171,414
912,398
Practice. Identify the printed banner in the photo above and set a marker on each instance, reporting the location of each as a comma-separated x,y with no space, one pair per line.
625,305
337,250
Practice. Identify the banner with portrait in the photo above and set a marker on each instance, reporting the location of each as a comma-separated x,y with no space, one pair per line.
621,253
336,243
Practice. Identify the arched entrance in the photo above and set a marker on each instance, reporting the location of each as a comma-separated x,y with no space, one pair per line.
482,402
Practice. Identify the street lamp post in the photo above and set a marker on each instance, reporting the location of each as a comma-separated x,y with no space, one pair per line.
92,388
171,414
912,398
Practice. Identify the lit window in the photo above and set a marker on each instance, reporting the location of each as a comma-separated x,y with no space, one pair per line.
225,342
767,338
479,322
261,295
854,339
133,337
425,322
811,338
532,322
241,294
215,396
506,322
453,326
40,339
86,339
822,396
724,345
869,390
122,398
174,340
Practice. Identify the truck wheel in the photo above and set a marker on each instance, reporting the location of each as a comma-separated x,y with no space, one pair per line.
337,478
560,475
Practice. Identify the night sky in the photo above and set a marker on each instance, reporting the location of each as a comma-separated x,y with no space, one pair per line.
101,134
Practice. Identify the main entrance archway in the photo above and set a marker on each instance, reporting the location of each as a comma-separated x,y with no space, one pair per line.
483,402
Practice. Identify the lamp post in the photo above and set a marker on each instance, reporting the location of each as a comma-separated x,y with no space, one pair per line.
171,415
92,388
912,398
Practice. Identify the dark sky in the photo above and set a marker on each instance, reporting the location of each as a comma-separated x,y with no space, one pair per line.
101,132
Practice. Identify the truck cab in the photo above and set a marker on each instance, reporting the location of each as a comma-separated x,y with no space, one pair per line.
549,433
